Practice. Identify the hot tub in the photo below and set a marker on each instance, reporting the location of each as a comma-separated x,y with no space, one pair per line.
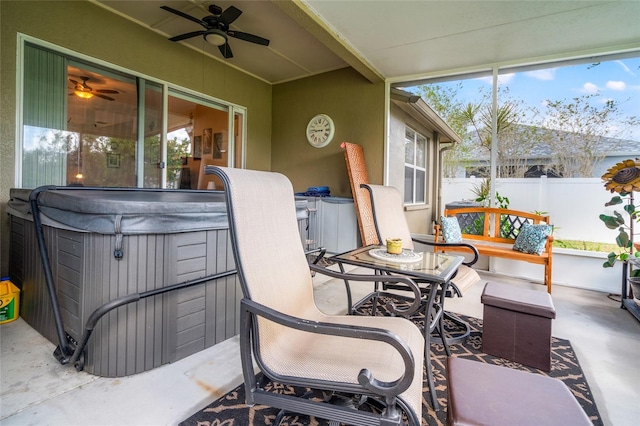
105,245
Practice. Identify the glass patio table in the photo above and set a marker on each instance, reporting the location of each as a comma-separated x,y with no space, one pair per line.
431,270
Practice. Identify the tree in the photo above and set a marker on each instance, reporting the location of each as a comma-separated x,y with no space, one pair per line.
176,150
515,143
443,100
578,132
568,140
472,121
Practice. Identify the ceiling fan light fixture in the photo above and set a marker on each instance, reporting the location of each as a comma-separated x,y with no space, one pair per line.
82,94
215,37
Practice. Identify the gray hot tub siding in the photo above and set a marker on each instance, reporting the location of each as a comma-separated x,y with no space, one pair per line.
144,334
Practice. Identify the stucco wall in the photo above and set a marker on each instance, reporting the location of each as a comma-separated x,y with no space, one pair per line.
111,38
357,109
419,218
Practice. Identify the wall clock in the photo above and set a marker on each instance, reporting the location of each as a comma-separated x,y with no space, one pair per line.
320,130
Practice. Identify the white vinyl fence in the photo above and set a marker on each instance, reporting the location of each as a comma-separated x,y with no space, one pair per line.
574,206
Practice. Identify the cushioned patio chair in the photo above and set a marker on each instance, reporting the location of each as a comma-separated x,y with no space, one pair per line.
291,340
358,177
387,209
390,222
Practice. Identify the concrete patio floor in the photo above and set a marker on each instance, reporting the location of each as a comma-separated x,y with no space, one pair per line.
36,389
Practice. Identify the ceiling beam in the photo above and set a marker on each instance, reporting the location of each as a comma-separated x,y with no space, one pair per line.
301,13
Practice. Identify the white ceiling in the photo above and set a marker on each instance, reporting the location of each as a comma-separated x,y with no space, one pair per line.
400,40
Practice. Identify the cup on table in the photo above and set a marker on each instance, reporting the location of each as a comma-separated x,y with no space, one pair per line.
394,245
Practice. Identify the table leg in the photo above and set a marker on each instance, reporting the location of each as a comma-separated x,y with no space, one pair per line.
429,326
348,288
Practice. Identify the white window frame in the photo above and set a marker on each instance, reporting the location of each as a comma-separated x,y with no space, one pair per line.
415,167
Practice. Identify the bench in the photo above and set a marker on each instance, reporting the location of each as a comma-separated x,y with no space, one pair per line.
493,231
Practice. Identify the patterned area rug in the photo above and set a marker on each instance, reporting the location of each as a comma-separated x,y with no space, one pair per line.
230,410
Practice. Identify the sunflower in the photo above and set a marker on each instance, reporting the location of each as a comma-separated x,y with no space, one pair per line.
624,177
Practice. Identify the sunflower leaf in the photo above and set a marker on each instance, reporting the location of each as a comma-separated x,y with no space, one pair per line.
623,239
610,221
614,201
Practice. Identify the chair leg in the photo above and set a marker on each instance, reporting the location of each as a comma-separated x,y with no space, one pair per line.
462,325
441,333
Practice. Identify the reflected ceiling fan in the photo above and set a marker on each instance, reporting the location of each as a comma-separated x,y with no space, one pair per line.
83,90
216,28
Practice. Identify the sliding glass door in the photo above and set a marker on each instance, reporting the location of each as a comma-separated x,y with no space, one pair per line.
89,125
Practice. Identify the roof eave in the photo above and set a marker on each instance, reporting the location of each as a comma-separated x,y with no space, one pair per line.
416,107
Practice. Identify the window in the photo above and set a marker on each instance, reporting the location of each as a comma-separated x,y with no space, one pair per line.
86,124
415,172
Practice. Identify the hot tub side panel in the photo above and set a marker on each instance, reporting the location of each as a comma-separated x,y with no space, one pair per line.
144,334
163,328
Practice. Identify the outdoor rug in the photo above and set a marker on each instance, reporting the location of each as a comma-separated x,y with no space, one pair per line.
230,410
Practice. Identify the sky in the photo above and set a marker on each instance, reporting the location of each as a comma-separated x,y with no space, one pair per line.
617,80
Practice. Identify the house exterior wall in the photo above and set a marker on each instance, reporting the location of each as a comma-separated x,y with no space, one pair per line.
111,38
418,217
357,109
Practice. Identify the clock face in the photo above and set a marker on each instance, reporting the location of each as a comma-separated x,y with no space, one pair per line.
320,130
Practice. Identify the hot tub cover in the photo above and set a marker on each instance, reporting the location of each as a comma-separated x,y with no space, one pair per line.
130,211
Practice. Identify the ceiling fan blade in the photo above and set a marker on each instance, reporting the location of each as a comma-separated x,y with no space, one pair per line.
225,49
115,92
229,15
103,96
186,35
74,82
184,15
248,37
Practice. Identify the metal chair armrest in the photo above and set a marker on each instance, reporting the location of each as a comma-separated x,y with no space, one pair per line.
411,285
471,247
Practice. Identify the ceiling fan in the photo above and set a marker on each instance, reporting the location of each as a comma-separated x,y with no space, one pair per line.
83,90
216,28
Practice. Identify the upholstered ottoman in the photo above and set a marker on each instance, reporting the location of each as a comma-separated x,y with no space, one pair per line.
517,324
485,394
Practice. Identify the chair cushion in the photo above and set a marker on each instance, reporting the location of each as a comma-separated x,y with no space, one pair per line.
532,238
450,229
295,353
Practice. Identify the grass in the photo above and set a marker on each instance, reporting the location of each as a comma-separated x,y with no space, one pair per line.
586,245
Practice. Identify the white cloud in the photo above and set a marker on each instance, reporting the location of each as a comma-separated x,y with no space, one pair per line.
548,74
616,85
589,88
